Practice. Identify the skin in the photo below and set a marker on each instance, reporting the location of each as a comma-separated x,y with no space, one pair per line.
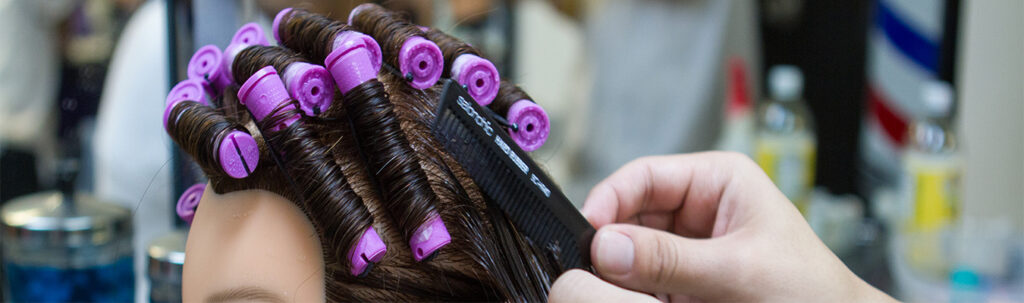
704,227
251,246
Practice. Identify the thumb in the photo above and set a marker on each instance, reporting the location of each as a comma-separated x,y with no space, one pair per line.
580,286
655,261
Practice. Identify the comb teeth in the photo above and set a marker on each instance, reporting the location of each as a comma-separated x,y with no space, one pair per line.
519,188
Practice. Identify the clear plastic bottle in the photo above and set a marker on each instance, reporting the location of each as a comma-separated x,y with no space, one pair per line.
785,146
931,184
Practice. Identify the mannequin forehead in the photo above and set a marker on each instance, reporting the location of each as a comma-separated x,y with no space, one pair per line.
251,245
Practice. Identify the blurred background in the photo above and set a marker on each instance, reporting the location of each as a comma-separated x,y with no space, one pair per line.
896,126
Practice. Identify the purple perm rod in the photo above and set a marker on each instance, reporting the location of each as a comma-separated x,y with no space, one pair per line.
418,59
262,93
189,200
532,126
237,153
351,64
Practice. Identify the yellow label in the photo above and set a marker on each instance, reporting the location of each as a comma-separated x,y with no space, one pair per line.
789,162
934,189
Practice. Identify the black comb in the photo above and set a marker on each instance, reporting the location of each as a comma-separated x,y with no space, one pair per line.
510,179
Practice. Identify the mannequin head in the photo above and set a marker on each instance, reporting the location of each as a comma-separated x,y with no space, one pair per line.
292,226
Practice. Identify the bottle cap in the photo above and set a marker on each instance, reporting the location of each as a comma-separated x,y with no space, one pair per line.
346,39
276,26
738,94
186,90
786,82
206,64
369,249
311,85
351,61
429,237
478,75
423,60
532,122
238,154
189,200
262,93
938,98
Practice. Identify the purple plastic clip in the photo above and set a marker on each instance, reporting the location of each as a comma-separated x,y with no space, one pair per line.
186,90
369,249
189,200
479,76
422,59
532,122
352,60
206,65
311,85
262,93
238,154
429,237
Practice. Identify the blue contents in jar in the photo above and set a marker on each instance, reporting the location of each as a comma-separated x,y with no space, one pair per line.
103,283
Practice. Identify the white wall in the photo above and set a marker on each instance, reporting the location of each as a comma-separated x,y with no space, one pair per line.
991,118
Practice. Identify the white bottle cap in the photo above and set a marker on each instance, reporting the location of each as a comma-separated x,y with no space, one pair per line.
937,97
785,82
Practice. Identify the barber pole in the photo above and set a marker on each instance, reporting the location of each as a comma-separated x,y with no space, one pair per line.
904,49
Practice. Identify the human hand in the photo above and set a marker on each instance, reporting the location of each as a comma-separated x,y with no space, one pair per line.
707,227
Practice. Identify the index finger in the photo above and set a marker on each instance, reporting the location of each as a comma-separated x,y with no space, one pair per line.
680,192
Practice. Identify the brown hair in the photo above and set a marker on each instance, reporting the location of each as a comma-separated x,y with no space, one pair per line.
374,144
389,28
310,34
451,48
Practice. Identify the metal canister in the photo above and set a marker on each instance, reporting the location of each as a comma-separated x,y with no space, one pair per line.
61,249
165,258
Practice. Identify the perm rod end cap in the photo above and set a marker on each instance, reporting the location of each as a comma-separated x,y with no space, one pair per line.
238,154
369,249
250,34
262,93
352,61
533,123
187,90
189,200
479,75
422,59
311,85
206,64
429,238
276,26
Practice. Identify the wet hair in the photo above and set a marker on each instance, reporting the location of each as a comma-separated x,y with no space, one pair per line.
310,34
371,159
391,29
508,94
253,58
451,48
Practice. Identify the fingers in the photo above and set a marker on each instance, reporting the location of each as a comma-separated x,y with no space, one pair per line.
580,286
692,183
653,261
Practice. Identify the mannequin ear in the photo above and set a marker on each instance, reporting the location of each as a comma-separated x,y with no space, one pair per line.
241,235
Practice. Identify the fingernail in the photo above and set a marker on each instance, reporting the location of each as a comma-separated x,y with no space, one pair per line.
614,253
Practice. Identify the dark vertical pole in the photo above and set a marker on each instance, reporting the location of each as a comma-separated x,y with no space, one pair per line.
179,35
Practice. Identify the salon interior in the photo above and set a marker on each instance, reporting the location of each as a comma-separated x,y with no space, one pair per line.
896,127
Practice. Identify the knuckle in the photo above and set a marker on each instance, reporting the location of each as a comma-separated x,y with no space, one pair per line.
664,264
